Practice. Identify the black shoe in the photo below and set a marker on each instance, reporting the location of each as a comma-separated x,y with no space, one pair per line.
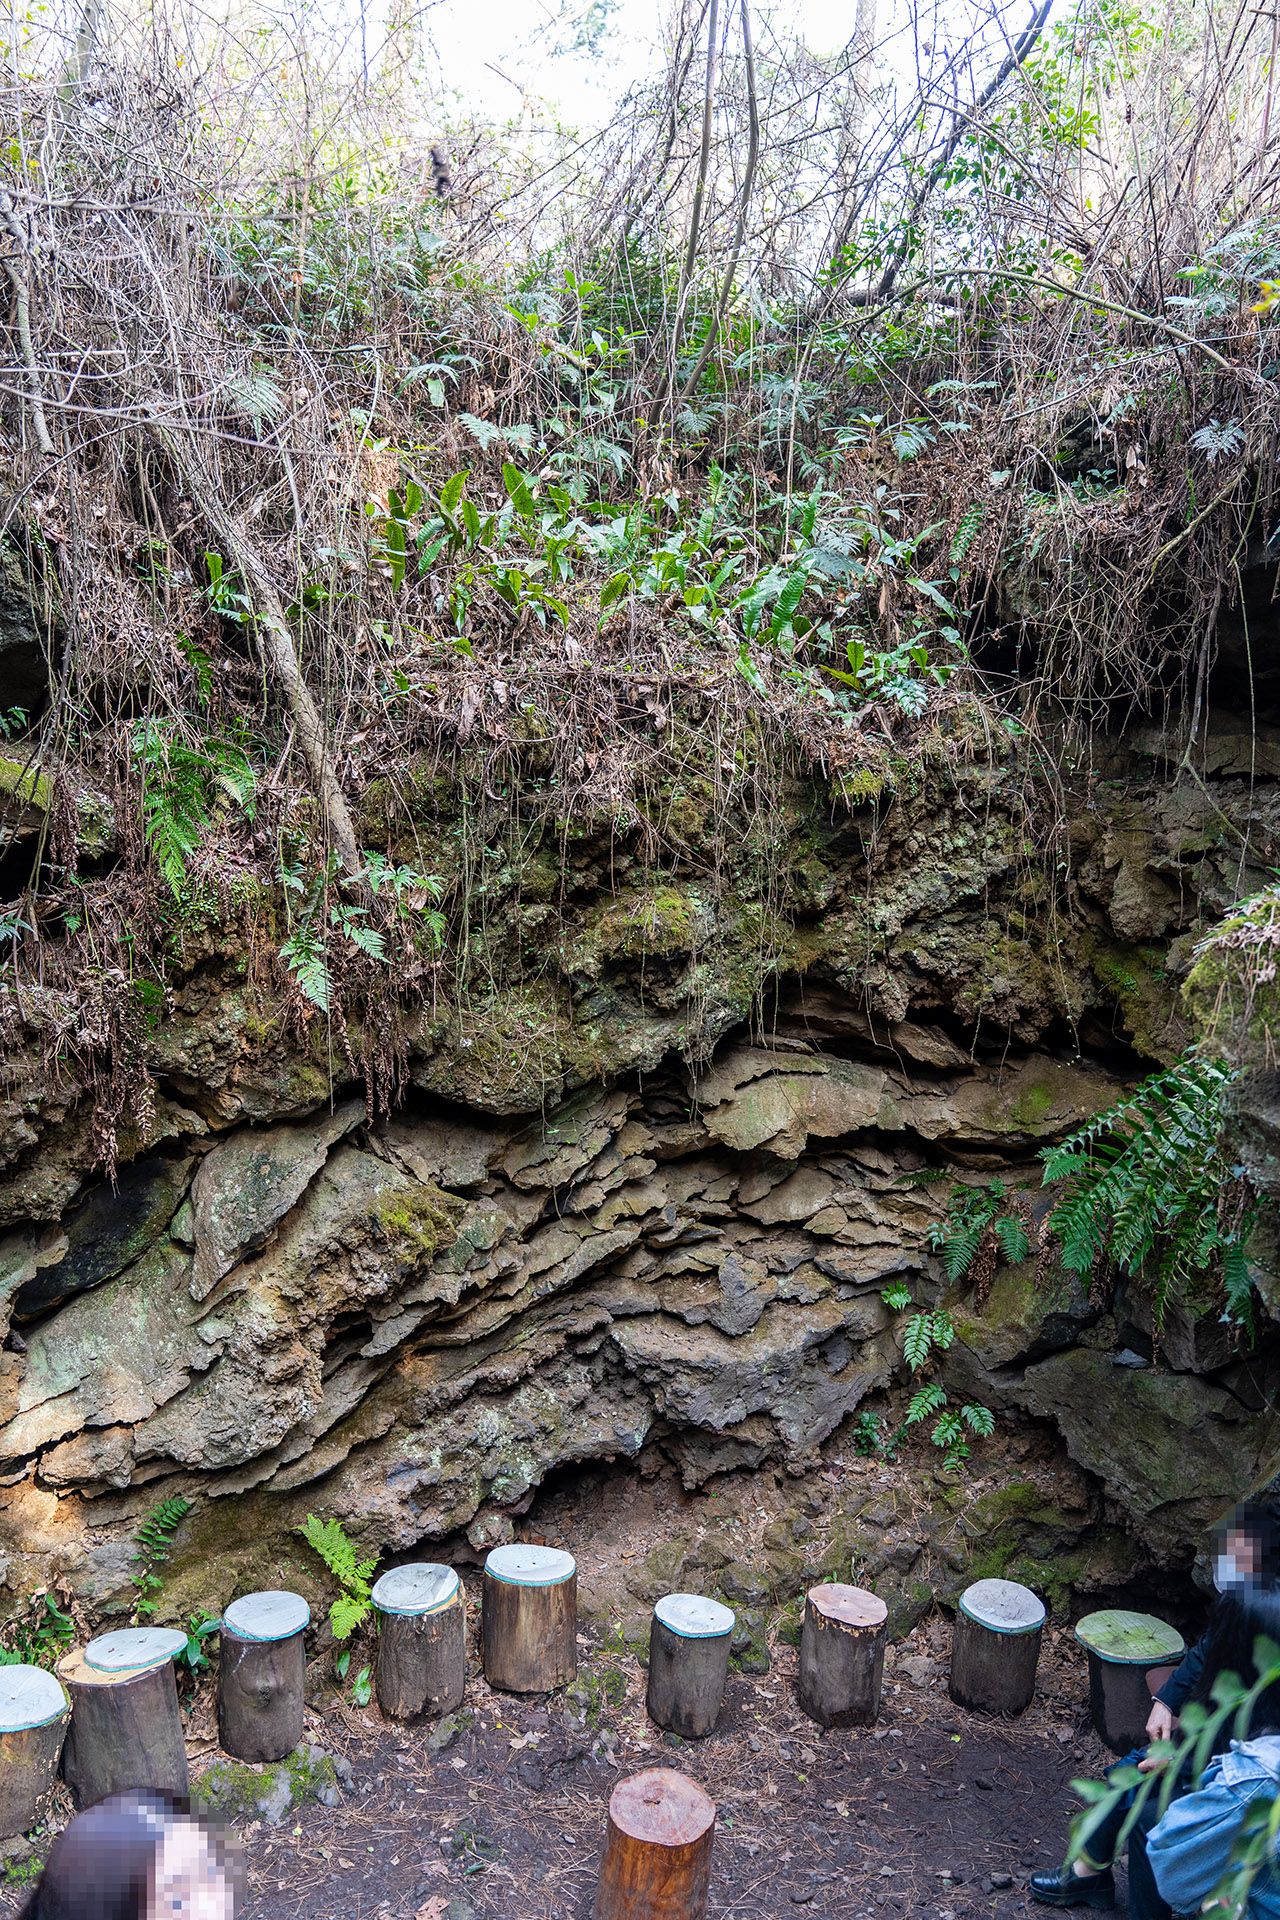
1066,1888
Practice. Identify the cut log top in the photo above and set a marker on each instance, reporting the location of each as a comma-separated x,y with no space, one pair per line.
266,1616
1002,1606
423,1587
662,1807
1130,1639
525,1566
131,1649
694,1617
29,1697
851,1606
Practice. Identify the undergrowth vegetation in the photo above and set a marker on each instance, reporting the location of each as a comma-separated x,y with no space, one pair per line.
389,537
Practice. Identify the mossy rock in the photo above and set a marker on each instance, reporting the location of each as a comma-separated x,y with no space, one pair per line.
749,1583
908,1602
749,1648
595,1691
230,1787
661,1571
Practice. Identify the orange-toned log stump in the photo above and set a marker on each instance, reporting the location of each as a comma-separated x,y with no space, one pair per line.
842,1656
657,1851
529,1618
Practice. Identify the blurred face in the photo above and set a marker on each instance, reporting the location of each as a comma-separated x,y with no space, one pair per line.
191,1878
1238,1566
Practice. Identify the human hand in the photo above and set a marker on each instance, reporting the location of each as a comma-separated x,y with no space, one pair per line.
1160,1721
1150,1765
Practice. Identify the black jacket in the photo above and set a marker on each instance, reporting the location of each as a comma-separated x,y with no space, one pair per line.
1181,1684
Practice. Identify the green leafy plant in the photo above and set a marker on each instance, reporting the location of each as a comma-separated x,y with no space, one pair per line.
361,1686
41,1637
866,1437
319,915
181,785
984,1225
927,1334
329,1540
1149,1186
154,1544
193,1657
12,720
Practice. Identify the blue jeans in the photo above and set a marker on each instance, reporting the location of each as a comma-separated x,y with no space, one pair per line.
1145,1902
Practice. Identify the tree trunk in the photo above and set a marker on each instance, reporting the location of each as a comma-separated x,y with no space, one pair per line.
657,1850
842,1656
126,1730
995,1647
260,1696
529,1626
422,1662
274,637
34,1711
688,1664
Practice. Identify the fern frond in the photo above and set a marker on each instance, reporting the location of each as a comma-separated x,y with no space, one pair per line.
346,1614
1015,1241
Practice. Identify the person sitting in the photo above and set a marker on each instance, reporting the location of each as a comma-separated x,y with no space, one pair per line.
1247,1559
139,1855
1190,1849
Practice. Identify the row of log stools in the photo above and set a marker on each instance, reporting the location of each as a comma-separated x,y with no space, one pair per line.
120,1721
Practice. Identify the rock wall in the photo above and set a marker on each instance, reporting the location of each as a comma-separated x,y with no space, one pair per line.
581,1236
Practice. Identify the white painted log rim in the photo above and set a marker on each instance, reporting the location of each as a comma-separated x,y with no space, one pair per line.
132,1649
275,1615
1003,1606
694,1616
422,1587
530,1566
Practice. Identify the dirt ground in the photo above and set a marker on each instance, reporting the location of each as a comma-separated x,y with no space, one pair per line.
933,1812
500,1814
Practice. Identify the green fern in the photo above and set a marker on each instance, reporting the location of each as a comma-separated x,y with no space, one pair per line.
180,785
338,1552
154,1544
1149,1186
307,960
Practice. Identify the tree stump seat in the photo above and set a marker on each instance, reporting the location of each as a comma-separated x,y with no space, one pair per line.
262,1672
1122,1647
34,1712
995,1647
688,1663
126,1729
422,1641
842,1655
529,1618
657,1850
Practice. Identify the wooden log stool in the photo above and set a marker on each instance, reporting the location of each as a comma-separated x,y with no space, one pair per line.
995,1647
657,1850
422,1641
34,1711
262,1672
126,1729
688,1663
1121,1647
842,1656
529,1618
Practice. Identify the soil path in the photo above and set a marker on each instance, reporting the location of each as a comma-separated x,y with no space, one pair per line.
933,1812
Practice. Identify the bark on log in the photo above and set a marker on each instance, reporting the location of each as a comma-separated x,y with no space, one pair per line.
422,1662
995,1647
688,1663
126,1730
842,1656
657,1850
529,1625
34,1712
260,1696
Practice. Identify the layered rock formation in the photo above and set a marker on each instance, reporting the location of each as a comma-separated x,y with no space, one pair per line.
609,1219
